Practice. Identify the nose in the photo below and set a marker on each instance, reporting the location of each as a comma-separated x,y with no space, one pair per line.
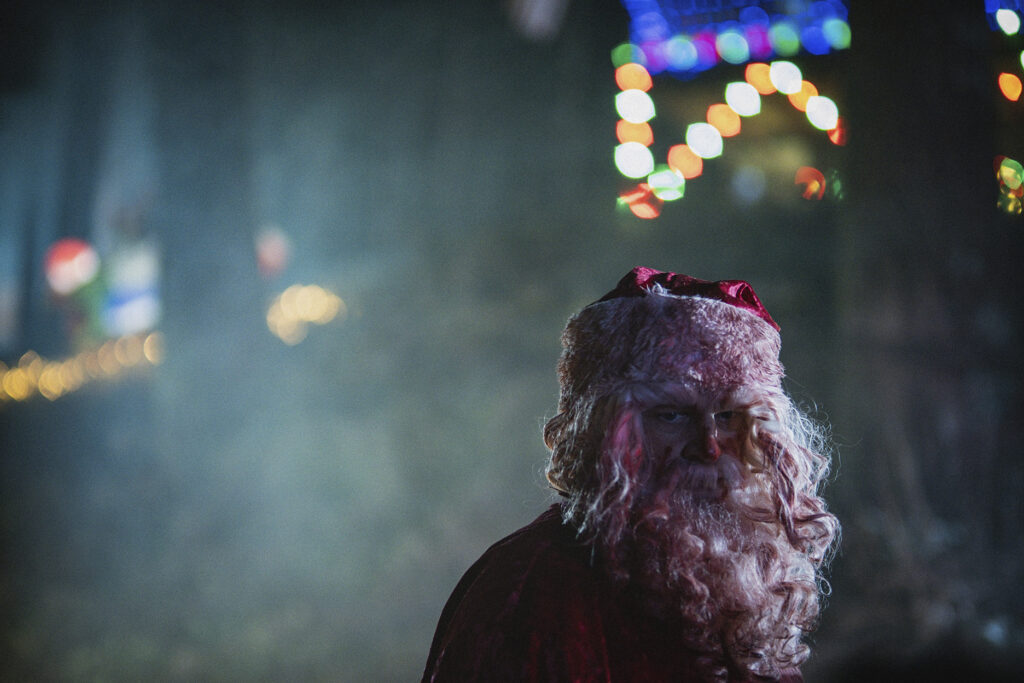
704,447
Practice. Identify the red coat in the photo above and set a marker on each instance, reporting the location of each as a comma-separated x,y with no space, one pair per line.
533,608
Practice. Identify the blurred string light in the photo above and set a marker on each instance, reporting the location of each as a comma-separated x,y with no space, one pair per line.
685,38
704,140
1004,16
1010,175
34,375
298,307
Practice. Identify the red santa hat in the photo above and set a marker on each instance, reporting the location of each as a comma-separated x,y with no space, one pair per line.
660,327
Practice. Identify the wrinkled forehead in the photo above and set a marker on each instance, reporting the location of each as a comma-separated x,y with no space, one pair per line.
696,395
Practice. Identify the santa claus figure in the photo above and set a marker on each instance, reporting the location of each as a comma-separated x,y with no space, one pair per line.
690,536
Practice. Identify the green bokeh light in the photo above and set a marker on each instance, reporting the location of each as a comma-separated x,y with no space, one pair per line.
837,33
627,53
732,47
784,38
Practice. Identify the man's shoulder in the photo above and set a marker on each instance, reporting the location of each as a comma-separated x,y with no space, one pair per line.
545,535
519,600
544,549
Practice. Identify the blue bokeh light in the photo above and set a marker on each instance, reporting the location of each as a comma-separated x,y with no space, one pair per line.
685,39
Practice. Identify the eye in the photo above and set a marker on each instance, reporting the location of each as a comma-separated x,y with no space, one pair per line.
672,417
726,418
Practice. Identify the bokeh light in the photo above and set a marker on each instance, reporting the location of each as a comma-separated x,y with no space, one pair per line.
291,313
822,112
53,379
707,52
813,181
732,47
758,75
723,118
634,132
704,139
273,251
666,183
650,26
784,38
682,159
757,41
758,31
70,263
799,98
1009,203
743,98
1008,20
838,134
813,38
1010,86
748,184
633,76
626,53
634,160
837,32
641,201
681,53
1010,173
635,106
654,56
785,76
754,15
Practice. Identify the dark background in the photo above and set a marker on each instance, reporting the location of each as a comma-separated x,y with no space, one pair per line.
249,510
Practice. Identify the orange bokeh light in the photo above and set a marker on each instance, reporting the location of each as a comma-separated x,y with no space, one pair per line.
633,76
757,75
642,202
1010,85
634,132
799,99
645,210
683,159
813,181
722,117
838,134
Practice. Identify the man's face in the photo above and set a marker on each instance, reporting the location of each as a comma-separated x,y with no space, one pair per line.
700,432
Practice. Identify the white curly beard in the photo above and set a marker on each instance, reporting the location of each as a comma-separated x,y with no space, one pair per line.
700,546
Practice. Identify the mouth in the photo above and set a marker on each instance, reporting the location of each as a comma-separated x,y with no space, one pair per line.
711,481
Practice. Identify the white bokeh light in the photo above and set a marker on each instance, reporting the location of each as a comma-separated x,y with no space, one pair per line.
822,112
786,77
743,98
633,160
634,106
704,139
